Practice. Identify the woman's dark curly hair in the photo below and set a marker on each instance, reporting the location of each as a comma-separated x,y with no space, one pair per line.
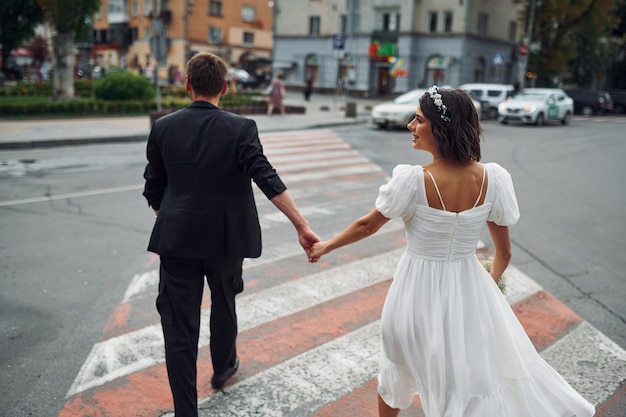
458,139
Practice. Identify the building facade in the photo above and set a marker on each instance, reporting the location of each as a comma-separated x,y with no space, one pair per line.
383,47
136,34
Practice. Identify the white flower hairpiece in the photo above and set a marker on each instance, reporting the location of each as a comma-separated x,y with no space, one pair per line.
433,92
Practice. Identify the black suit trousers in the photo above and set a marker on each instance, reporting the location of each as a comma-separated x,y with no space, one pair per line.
179,301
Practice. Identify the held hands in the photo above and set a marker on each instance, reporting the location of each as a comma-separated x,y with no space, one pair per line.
307,239
317,250
312,245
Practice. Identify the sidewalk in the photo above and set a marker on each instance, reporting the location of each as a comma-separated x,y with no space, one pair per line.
321,111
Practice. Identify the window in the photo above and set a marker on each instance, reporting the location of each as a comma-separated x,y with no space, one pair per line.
134,34
147,7
248,38
432,22
343,24
353,5
387,20
248,14
216,8
215,35
146,32
135,8
99,13
314,25
356,23
353,18
483,20
447,21
512,32
101,36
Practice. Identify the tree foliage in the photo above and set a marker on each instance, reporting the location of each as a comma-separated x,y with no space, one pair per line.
70,16
617,80
19,19
71,20
574,38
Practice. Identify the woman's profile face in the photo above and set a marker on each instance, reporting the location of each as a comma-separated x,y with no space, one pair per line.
421,130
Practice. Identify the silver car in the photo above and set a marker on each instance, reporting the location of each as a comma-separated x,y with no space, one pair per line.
537,106
398,112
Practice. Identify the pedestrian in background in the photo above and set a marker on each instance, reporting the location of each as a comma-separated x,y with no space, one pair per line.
148,72
178,75
277,95
201,161
448,333
308,88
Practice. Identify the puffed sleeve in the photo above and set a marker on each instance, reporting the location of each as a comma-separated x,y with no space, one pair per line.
504,211
397,198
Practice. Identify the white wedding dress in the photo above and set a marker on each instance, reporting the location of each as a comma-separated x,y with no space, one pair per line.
448,333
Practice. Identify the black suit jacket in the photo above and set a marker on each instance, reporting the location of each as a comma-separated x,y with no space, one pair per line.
201,161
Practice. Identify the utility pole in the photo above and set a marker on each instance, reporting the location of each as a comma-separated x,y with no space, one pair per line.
158,47
349,35
523,63
275,10
188,5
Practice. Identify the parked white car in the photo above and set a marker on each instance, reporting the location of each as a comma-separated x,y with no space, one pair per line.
537,106
489,95
398,112
401,110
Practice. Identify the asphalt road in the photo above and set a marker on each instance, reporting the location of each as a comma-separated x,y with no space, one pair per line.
66,259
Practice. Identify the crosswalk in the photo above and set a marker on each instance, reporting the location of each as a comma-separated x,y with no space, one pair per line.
309,333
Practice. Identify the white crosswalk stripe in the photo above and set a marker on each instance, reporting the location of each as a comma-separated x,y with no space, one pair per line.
312,164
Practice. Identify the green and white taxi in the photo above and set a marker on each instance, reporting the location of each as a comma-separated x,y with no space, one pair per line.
537,106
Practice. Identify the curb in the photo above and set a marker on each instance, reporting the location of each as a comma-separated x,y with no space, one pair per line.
50,143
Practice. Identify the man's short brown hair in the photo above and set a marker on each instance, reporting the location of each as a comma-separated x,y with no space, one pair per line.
207,74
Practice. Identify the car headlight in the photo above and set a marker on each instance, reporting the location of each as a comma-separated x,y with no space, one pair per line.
502,107
530,109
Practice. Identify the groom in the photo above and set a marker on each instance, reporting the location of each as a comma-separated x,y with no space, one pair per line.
201,161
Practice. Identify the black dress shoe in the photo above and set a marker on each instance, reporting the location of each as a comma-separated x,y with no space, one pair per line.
218,381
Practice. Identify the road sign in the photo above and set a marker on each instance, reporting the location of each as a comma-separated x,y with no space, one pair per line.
339,41
523,49
158,47
498,59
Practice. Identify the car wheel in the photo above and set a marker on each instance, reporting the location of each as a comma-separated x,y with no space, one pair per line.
566,119
492,113
587,110
540,120
504,122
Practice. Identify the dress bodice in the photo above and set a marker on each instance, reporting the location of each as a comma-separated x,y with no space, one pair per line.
441,235
445,236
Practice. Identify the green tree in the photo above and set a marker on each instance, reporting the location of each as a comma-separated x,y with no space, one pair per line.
71,21
618,66
573,38
593,53
19,19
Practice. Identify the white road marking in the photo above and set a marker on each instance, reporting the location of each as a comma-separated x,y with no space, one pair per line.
311,380
131,352
71,195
